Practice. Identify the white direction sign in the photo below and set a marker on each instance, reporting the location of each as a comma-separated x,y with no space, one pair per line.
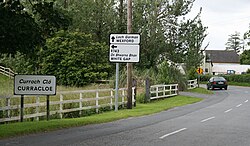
124,53
132,39
34,85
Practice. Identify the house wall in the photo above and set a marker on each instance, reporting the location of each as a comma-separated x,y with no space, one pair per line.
223,68
207,68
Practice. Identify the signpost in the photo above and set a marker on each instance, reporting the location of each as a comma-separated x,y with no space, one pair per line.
132,39
124,48
199,71
124,53
34,85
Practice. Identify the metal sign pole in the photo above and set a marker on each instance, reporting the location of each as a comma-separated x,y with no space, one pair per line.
116,86
198,80
21,110
47,107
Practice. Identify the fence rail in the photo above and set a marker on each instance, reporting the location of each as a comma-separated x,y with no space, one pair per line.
161,91
76,101
192,84
7,72
82,100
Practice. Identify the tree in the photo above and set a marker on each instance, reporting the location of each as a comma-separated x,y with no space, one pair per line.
75,59
18,30
99,18
25,26
192,33
234,42
157,22
245,57
49,18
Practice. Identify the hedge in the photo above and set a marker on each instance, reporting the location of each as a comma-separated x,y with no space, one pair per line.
231,78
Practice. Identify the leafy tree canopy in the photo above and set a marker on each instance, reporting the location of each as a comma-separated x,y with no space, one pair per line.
75,59
24,28
18,30
245,57
234,42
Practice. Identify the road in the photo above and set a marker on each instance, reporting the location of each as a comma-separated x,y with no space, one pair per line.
221,119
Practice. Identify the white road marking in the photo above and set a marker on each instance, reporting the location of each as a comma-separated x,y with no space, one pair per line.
239,105
172,133
246,101
207,119
228,110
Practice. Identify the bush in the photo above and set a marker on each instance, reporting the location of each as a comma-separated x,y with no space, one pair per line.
192,74
245,78
140,98
205,78
74,59
19,63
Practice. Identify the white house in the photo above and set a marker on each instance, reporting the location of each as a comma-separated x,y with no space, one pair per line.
222,62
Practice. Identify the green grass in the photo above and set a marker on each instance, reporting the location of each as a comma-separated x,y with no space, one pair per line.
14,129
239,84
200,90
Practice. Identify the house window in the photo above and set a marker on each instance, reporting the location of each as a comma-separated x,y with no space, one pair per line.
206,69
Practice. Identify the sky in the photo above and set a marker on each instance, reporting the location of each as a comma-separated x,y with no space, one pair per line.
223,18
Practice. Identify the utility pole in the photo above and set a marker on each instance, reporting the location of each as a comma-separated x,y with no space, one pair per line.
129,65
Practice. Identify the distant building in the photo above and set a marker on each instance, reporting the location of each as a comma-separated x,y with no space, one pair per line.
222,62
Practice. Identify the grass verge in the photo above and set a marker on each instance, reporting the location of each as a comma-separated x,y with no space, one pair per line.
15,129
239,84
200,90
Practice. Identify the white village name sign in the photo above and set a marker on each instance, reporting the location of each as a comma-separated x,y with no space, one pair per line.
35,85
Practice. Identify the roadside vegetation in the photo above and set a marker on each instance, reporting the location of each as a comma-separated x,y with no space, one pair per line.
70,40
200,90
6,86
14,129
73,43
237,80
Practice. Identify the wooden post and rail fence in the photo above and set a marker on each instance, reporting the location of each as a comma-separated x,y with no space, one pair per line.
66,102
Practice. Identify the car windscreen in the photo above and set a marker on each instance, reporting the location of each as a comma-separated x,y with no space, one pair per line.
219,79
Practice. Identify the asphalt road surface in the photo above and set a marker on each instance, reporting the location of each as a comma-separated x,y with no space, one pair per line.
221,119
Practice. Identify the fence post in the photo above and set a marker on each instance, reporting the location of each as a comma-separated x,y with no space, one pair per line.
164,90
111,99
80,105
96,101
8,105
147,95
177,89
37,107
134,84
123,96
61,105
170,89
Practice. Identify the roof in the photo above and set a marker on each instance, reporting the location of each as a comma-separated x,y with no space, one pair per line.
222,56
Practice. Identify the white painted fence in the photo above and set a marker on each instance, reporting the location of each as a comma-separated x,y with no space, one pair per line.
60,104
161,91
78,101
192,84
7,72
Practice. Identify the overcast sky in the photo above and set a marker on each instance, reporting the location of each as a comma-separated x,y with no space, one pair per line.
222,17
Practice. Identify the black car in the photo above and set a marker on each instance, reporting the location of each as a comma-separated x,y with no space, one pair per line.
217,82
